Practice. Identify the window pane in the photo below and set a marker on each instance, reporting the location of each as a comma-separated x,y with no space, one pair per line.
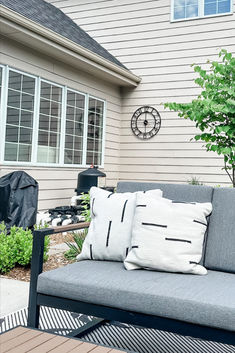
53,139
77,157
45,90
26,119
224,6
45,107
27,101
56,94
43,122
25,135
191,11
71,98
15,80
69,142
185,9
68,156
14,98
78,143
210,8
80,101
79,115
24,153
55,109
19,122
213,7
13,116
74,128
49,123
12,133
43,138
28,85
54,124
179,12
11,152
70,127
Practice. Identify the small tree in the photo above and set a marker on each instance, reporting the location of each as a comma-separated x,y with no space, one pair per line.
214,109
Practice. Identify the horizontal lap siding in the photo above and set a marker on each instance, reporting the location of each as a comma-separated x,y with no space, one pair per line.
57,185
141,36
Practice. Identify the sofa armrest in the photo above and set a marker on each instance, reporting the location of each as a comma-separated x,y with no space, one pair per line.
38,249
38,244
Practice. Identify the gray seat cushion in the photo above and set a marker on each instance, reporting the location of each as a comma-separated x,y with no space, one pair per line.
220,248
176,192
207,300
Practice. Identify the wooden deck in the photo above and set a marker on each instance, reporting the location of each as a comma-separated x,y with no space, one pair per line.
22,339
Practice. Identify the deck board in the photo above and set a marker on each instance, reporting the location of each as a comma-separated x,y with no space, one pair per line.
23,339
33,343
11,334
17,341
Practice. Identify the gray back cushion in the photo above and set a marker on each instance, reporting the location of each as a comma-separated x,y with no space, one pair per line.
176,192
220,248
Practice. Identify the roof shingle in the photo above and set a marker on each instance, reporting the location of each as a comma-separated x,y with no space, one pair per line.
54,19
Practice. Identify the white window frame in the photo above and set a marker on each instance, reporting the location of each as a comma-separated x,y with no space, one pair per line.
200,12
34,163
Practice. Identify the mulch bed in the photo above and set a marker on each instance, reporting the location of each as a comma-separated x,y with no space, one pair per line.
54,261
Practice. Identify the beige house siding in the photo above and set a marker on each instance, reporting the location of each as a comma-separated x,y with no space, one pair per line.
57,184
139,33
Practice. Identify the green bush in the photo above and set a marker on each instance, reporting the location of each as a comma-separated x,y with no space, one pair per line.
16,247
213,111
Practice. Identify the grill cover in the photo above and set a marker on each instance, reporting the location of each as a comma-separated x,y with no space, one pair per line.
18,200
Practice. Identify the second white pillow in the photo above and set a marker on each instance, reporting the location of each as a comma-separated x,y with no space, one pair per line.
168,236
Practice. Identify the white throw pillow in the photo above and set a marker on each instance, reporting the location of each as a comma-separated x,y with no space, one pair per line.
109,235
168,235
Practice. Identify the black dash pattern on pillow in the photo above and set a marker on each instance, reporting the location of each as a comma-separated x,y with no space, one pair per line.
181,240
108,234
154,225
91,252
123,210
204,224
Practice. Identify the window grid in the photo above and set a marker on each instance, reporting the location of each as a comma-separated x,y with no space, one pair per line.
74,130
84,162
49,129
182,10
19,117
95,131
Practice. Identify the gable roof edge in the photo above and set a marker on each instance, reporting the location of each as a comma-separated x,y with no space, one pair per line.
54,37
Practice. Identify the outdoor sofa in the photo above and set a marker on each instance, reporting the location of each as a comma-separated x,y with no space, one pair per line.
198,306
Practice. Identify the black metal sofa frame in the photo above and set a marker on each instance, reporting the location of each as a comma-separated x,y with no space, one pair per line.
104,313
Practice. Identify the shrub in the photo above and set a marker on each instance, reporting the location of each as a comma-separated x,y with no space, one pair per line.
213,111
76,246
86,206
16,247
194,181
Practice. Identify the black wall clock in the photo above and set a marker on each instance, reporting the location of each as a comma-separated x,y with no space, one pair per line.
145,122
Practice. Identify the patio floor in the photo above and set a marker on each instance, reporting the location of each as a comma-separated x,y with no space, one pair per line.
122,336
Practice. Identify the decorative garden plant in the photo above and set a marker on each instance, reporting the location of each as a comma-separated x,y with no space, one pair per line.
214,109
